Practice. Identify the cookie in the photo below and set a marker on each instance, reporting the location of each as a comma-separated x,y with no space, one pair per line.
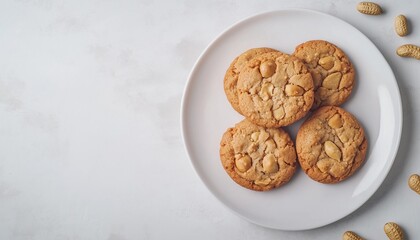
331,70
232,73
258,158
275,89
331,145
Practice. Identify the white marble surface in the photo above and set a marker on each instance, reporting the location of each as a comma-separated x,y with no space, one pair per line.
90,144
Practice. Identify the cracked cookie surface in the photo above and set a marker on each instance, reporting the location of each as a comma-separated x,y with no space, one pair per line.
232,73
332,72
275,89
331,145
258,158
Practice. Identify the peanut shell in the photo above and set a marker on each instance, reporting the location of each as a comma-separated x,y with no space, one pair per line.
349,235
393,231
409,50
401,25
369,8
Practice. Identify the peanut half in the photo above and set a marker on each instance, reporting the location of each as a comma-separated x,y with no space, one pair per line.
267,68
270,146
326,62
393,231
254,136
369,8
270,164
401,25
266,91
332,81
332,150
293,90
263,182
414,183
409,50
279,113
335,121
325,164
349,235
243,164
263,136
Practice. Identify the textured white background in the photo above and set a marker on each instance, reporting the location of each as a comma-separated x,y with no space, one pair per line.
90,144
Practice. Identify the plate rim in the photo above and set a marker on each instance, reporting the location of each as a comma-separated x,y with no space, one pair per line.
398,123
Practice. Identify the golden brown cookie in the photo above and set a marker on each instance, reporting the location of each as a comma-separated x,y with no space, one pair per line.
258,158
331,145
331,70
275,89
231,76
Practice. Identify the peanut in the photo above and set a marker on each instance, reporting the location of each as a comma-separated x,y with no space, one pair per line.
346,82
266,91
270,164
337,170
254,136
302,80
414,183
335,121
409,50
263,182
279,113
268,68
393,231
325,164
326,62
369,8
332,150
401,25
332,81
346,135
263,136
349,235
293,90
271,145
243,163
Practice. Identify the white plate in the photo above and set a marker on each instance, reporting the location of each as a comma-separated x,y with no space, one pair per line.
302,203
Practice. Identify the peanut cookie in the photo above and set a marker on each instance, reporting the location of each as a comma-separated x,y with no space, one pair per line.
331,145
231,76
331,70
258,158
275,89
